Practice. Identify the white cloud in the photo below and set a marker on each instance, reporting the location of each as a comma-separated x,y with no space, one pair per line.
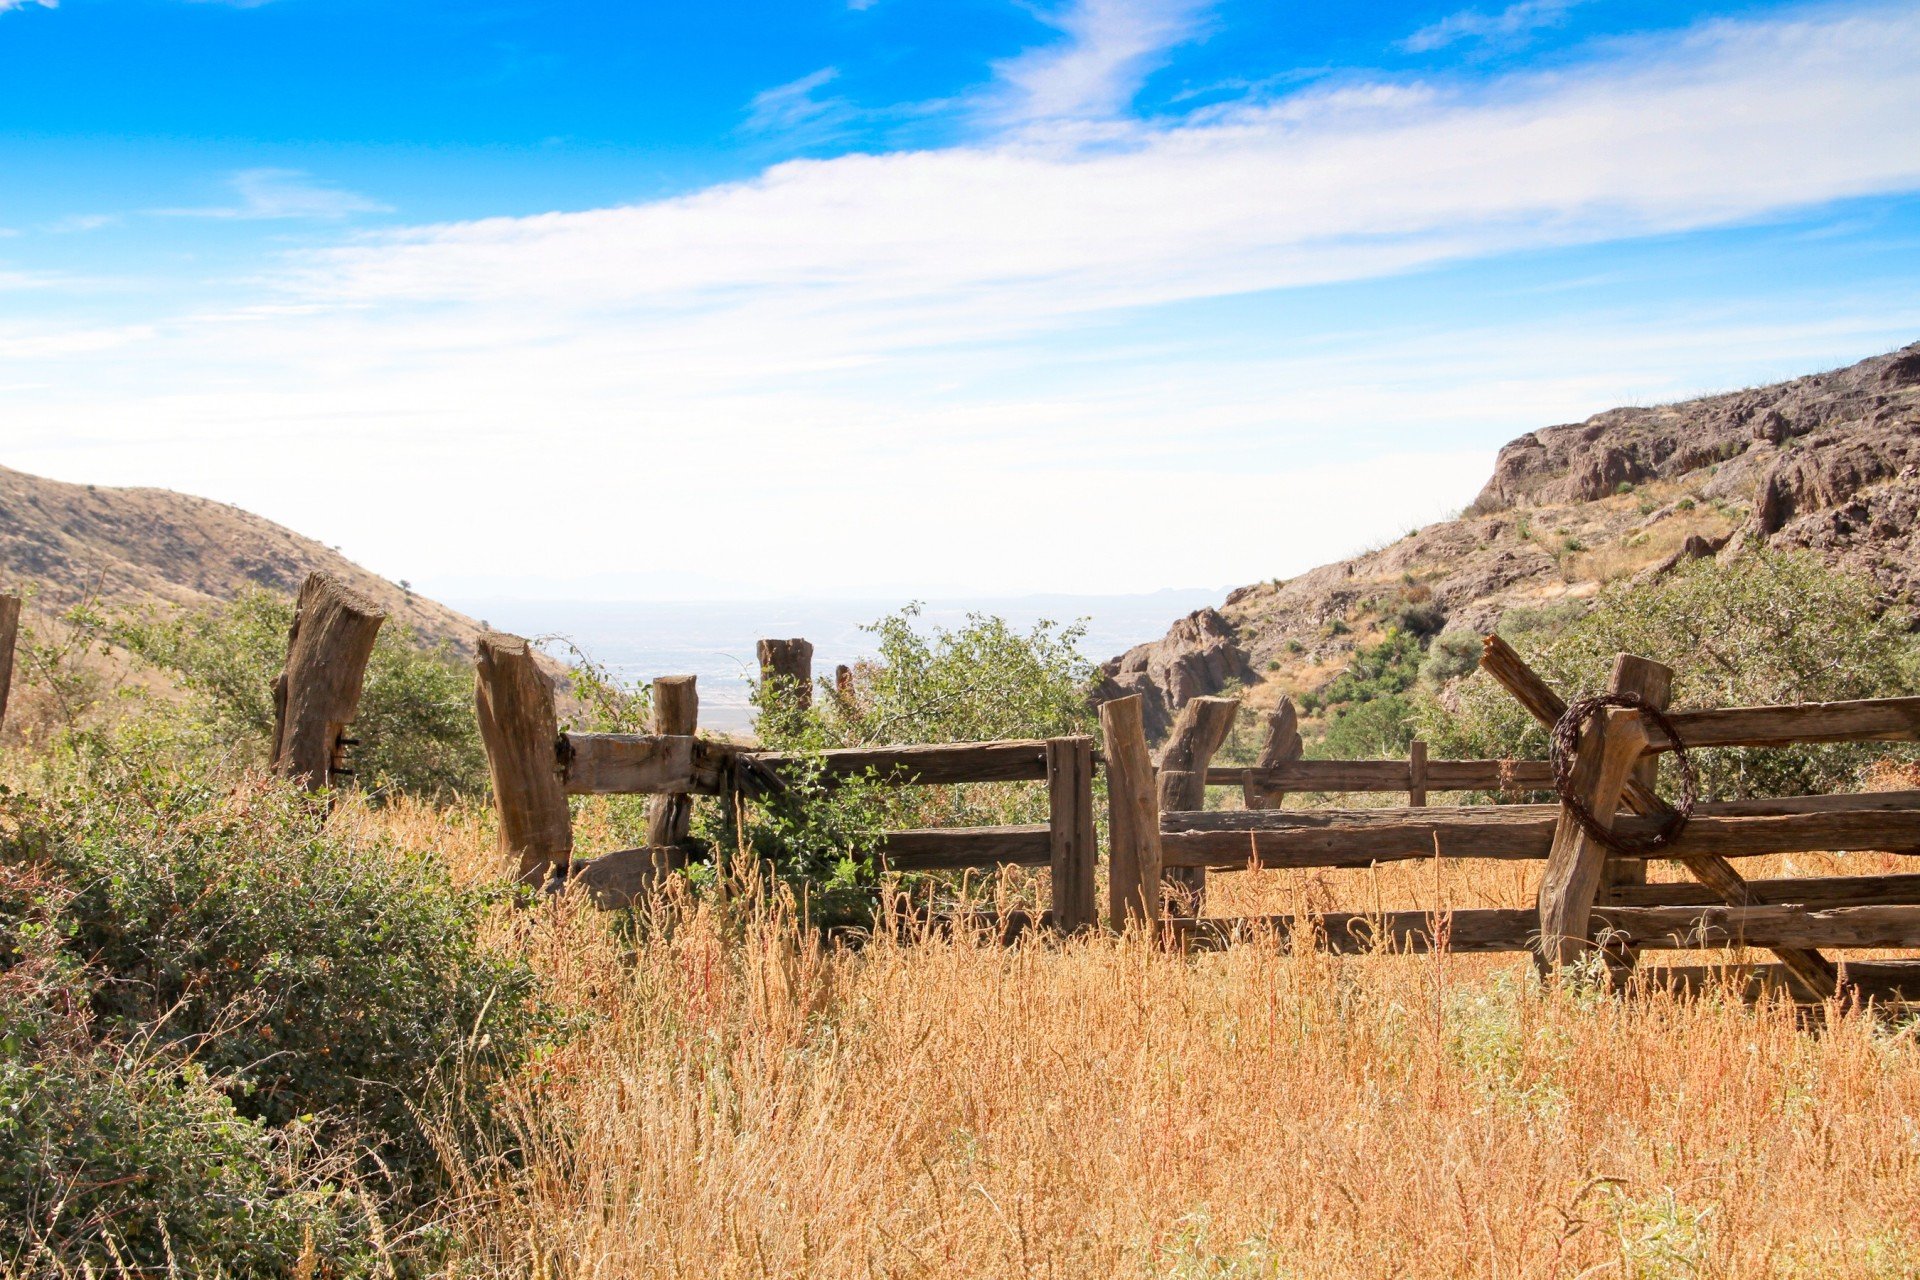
21,4
792,105
284,193
1110,47
1514,23
861,361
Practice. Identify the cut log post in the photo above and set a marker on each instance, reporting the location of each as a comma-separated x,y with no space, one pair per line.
1133,817
514,700
1417,775
1282,745
843,682
676,710
1610,747
1198,732
1073,846
318,691
788,664
1654,683
1814,976
9,633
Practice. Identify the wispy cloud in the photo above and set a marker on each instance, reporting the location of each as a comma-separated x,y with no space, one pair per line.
283,193
791,106
21,4
1513,24
1110,47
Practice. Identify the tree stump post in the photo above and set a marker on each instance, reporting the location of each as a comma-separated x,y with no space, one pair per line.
676,711
1610,749
1282,745
1198,732
318,691
9,634
1133,816
1073,846
788,665
514,701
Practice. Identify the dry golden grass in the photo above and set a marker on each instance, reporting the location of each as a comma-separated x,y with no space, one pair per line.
738,1103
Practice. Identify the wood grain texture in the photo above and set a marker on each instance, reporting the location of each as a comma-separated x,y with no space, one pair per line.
1384,775
1198,732
1133,816
967,848
9,636
625,876
643,764
1866,720
1812,972
788,664
1282,746
676,713
1073,849
318,691
1806,891
514,701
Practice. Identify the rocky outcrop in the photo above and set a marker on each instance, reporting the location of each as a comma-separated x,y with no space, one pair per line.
1828,463
1198,657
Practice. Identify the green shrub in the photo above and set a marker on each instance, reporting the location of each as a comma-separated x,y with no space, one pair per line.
1769,628
307,972
415,725
118,1155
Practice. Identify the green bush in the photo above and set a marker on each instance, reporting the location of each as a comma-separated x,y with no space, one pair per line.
983,681
307,972
415,725
121,1155
1769,628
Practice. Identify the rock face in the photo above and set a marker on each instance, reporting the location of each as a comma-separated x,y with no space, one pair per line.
1828,463
1196,658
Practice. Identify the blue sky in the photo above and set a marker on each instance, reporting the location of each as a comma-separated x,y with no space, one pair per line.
926,296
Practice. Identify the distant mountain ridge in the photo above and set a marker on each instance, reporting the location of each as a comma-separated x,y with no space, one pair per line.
1828,463
138,547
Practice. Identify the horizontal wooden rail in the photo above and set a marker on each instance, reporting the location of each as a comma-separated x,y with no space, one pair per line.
1229,839
1867,720
1016,760
666,764
1494,929
1885,980
1809,891
1388,775
961,848
643,764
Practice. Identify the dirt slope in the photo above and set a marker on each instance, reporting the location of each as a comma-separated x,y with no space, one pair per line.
1829,463
141,546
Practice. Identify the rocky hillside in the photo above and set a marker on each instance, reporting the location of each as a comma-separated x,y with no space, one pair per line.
134,547
1829,463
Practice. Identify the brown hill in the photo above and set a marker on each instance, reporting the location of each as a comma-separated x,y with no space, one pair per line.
1829,463
135,547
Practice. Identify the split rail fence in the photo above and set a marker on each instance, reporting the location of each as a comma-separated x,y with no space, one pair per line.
1594,898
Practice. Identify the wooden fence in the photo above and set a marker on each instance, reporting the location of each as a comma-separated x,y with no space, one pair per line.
1163,841
1594,898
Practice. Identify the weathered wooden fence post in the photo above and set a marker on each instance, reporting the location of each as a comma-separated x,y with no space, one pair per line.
1282,744
791,663
1654,683
318,691
676,711
1133,816
1417,774
1610,749
1073,846
514,700
1198,732
9,633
